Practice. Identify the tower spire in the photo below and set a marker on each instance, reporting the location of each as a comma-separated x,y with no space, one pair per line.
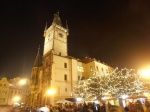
45,27
37,62
57,19
67,25
45,30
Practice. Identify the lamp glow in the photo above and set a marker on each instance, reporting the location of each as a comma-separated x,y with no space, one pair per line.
50,92
145,73
17,98
22,81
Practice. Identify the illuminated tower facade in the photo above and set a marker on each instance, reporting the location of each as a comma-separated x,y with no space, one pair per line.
56,38
58,71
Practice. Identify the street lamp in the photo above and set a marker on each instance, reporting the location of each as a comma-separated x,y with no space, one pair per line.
145,73
22,82
16,100
51,92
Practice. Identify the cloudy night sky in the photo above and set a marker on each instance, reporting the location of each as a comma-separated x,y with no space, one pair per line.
116,32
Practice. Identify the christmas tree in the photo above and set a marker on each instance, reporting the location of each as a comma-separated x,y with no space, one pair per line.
115,83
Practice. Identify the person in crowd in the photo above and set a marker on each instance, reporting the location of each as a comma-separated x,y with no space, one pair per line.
43,109
103,107
84,108
133,107
126,109
90,109
96,107
139,106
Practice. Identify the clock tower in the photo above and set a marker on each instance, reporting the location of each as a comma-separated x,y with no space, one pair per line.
56,37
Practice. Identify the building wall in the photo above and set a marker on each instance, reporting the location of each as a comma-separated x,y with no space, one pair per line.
62,76
19,90
60,41
4,91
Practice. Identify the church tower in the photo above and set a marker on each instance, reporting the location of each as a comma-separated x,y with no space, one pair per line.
58,71
56,37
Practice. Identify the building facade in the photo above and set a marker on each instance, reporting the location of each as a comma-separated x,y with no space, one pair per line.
12,92
59,71
4,91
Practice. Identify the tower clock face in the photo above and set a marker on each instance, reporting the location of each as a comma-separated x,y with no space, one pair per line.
60,35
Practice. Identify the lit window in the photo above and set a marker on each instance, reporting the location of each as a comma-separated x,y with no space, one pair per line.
80,69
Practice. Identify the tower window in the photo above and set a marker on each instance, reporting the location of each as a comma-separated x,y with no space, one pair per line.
60,35
65,65
65,89
59,53
65,77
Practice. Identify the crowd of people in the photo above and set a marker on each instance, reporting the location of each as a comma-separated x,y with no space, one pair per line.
71,107
137,106
84,107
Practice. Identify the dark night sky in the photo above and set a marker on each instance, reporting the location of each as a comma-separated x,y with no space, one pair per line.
116,32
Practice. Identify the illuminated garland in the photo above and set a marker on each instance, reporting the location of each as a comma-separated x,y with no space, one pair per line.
116,83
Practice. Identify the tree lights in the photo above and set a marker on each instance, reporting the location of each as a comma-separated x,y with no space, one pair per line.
118,83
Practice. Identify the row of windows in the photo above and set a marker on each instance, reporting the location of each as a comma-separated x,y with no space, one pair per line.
12,92
58,91
2,84
79,77
81,69
18,92
3,92
97,69
65,64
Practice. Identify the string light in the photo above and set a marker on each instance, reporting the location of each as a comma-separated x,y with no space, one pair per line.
117,83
